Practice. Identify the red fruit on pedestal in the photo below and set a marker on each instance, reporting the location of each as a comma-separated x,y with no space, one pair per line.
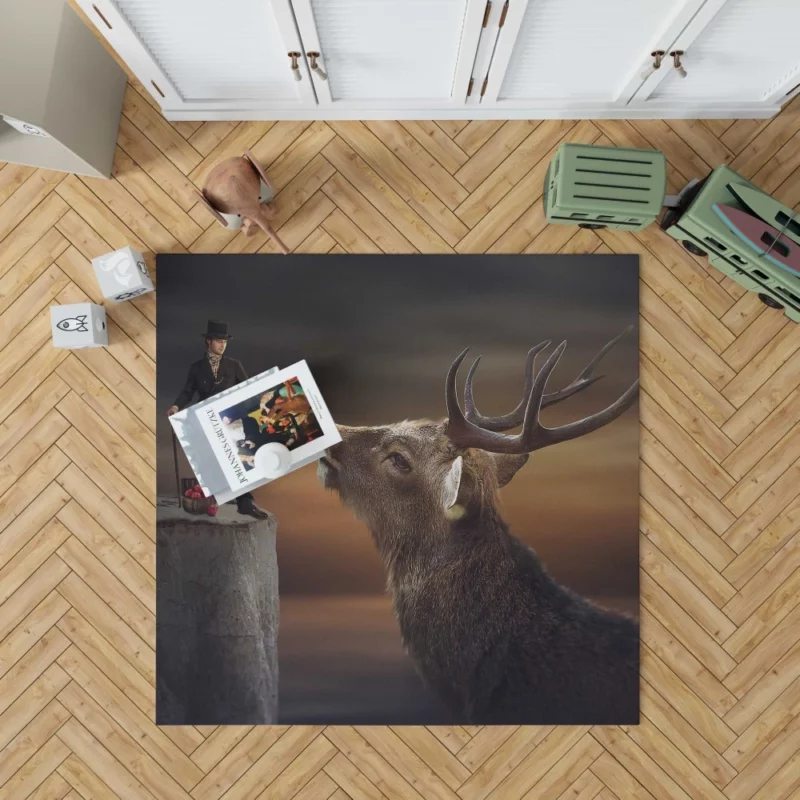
198,495
188,493
212,510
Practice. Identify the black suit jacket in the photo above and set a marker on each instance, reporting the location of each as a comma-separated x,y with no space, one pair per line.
201,380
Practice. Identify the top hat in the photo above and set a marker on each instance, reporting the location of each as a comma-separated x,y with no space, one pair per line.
216,330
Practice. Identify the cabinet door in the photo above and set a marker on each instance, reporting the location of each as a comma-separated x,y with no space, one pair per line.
746,51
208,55
574,53
392,54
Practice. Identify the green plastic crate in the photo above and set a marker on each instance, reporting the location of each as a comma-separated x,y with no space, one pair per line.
605,187
696,225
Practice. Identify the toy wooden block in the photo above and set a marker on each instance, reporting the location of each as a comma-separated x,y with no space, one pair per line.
79,325
122,274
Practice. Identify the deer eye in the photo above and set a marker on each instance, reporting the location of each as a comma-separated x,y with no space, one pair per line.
399,462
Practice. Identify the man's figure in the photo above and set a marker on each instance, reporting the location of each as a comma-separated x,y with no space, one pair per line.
212,374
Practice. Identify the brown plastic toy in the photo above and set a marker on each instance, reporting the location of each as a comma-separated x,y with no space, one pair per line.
233,187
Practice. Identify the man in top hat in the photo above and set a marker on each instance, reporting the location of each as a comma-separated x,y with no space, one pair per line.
212,374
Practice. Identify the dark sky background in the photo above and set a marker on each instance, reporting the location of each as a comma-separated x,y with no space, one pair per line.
379,333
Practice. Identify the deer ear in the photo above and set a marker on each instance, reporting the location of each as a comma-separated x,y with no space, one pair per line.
507,466
452,483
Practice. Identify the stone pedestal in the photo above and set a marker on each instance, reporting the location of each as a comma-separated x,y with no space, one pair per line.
217,618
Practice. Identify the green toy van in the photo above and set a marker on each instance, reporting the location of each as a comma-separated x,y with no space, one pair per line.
702,232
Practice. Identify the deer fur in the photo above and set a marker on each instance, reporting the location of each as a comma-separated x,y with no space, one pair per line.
497,638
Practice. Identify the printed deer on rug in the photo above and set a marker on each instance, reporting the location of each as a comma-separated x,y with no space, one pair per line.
497,638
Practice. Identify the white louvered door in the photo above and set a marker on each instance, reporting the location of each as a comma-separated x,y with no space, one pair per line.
579,52
471,59
391,54
746,51
207,54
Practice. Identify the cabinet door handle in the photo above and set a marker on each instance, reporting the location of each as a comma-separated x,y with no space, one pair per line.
102,17
657,55
676,61
313,56
294,55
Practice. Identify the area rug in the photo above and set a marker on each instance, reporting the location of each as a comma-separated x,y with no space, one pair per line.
469,552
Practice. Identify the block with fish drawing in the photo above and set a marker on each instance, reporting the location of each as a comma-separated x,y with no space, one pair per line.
122,275
79,325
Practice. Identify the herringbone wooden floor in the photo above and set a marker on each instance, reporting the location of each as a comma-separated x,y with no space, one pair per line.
720,468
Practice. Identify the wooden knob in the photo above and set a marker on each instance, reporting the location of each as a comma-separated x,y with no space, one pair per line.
657,55
295,67
313,56
676,61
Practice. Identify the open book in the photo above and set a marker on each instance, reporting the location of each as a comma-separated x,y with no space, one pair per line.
222,435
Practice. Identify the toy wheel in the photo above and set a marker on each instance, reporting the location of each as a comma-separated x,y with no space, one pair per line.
693,248
769,301
592,226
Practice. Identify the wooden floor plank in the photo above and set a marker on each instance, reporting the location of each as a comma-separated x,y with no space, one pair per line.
30,267
31,720
419,161
12,176
25,199
112,627
402,180
686,593
119,744
160,132
153,161
437,143
359,222
37,769
687,739
535,147
493,152
383,197
681,553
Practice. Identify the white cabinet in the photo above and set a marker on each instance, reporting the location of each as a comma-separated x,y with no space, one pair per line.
429,59
206,55
557,53
739,51
389,54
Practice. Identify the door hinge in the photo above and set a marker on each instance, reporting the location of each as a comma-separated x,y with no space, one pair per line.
487,12
469,88
483,88
503,15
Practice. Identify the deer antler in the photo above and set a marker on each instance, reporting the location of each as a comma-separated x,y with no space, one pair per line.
515,418
534,436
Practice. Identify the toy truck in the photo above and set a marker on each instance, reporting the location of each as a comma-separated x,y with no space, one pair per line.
703,232
599,187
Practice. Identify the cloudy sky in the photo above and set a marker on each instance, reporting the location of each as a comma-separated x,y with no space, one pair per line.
379,333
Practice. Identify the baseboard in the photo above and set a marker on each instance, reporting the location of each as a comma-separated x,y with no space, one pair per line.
751,111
